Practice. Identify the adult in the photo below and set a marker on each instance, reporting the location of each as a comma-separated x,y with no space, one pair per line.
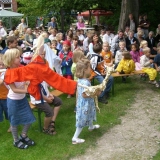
131,23
11,43
144,24
21,27
80,24
29,37
53,23
140,36
108,37
151,43
115,42
11,33
3,35
158,34
131,40
126,32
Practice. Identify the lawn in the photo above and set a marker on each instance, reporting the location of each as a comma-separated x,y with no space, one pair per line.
59,146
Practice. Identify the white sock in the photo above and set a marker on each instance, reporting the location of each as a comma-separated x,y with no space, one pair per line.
77,133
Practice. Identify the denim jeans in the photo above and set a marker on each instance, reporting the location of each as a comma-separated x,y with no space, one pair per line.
108,86
3,108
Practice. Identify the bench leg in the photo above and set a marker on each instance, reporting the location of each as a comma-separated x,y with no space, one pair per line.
39,120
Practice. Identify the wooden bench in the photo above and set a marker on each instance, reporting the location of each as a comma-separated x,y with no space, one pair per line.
122,75
35,109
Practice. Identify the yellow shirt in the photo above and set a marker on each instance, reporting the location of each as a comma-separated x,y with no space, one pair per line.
126,65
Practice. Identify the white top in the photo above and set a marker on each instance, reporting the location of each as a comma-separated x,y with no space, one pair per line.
45,86
118,56
85,44
3,33
51,37
108,38
144,61
81,37
16,96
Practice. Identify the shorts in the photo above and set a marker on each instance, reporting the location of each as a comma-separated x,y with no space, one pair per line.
47,109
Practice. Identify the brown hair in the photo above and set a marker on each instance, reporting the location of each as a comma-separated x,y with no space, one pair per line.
97,48
77,55
81,66
11,39
75,37
126,55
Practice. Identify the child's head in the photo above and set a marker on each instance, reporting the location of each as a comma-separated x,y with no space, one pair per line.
106,46
146,51
134,47
75,39
122,45
59,36
140,33
66,45
11,58
2,66
12,42
143,44
54,44
77,55
126,55
83,69
97,48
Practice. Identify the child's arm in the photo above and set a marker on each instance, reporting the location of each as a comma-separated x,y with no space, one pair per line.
18,90
48,99
156,67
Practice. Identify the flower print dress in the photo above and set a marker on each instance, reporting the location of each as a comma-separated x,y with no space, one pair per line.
85,108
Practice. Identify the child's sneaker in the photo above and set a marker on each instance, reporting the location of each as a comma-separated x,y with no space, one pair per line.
77,141
27,141
96,126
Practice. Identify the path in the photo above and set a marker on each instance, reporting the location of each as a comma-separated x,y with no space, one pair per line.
138,135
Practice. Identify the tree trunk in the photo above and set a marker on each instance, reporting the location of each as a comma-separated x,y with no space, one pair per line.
127,7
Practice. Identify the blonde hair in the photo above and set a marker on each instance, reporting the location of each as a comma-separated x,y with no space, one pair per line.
146,50
81,66
106,43
140,33
77,55
122,42
143,42
58,35
10,55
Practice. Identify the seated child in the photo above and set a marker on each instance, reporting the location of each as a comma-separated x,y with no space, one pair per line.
135,56
126,65
143,45
157,60
118,57
107,54
146,62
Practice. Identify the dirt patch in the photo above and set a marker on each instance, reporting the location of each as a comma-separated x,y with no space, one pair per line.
138,135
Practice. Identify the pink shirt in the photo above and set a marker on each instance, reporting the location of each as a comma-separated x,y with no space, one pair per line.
80,25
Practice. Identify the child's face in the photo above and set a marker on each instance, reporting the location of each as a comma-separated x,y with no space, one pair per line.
66,47
54,45
144,45
106,47
16,61
133,48
121,46
2,65
95,38
147,54
75,42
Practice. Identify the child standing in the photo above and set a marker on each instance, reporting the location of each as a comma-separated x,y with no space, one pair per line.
146,62
107,54
86,111
66,56
19,111
135,56
3,96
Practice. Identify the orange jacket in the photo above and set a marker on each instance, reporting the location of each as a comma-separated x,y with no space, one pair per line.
36,72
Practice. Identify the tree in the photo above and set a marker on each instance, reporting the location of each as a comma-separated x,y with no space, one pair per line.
127,7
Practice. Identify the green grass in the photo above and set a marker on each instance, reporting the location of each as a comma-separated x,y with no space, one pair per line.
59,147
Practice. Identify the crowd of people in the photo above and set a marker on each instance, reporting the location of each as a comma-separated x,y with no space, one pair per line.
77,55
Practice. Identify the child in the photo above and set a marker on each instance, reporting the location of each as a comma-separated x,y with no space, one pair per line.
143,45
135,56
86,111
126,65
59,38
66,56
118,57
146,62
3,96
19,111
107,54
75,44
54,47
157,60
98,72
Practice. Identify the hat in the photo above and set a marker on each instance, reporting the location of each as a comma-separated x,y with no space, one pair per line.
68,43
126,55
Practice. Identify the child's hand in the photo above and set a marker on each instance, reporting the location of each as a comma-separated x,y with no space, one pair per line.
151,60
118,73
49,100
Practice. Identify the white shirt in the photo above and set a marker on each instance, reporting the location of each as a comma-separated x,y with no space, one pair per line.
85,44
108,38
3,33
51,37
144,61
81,37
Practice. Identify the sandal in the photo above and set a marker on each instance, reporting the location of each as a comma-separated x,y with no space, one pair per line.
49,131
19,144
96,126
27,141
78,141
